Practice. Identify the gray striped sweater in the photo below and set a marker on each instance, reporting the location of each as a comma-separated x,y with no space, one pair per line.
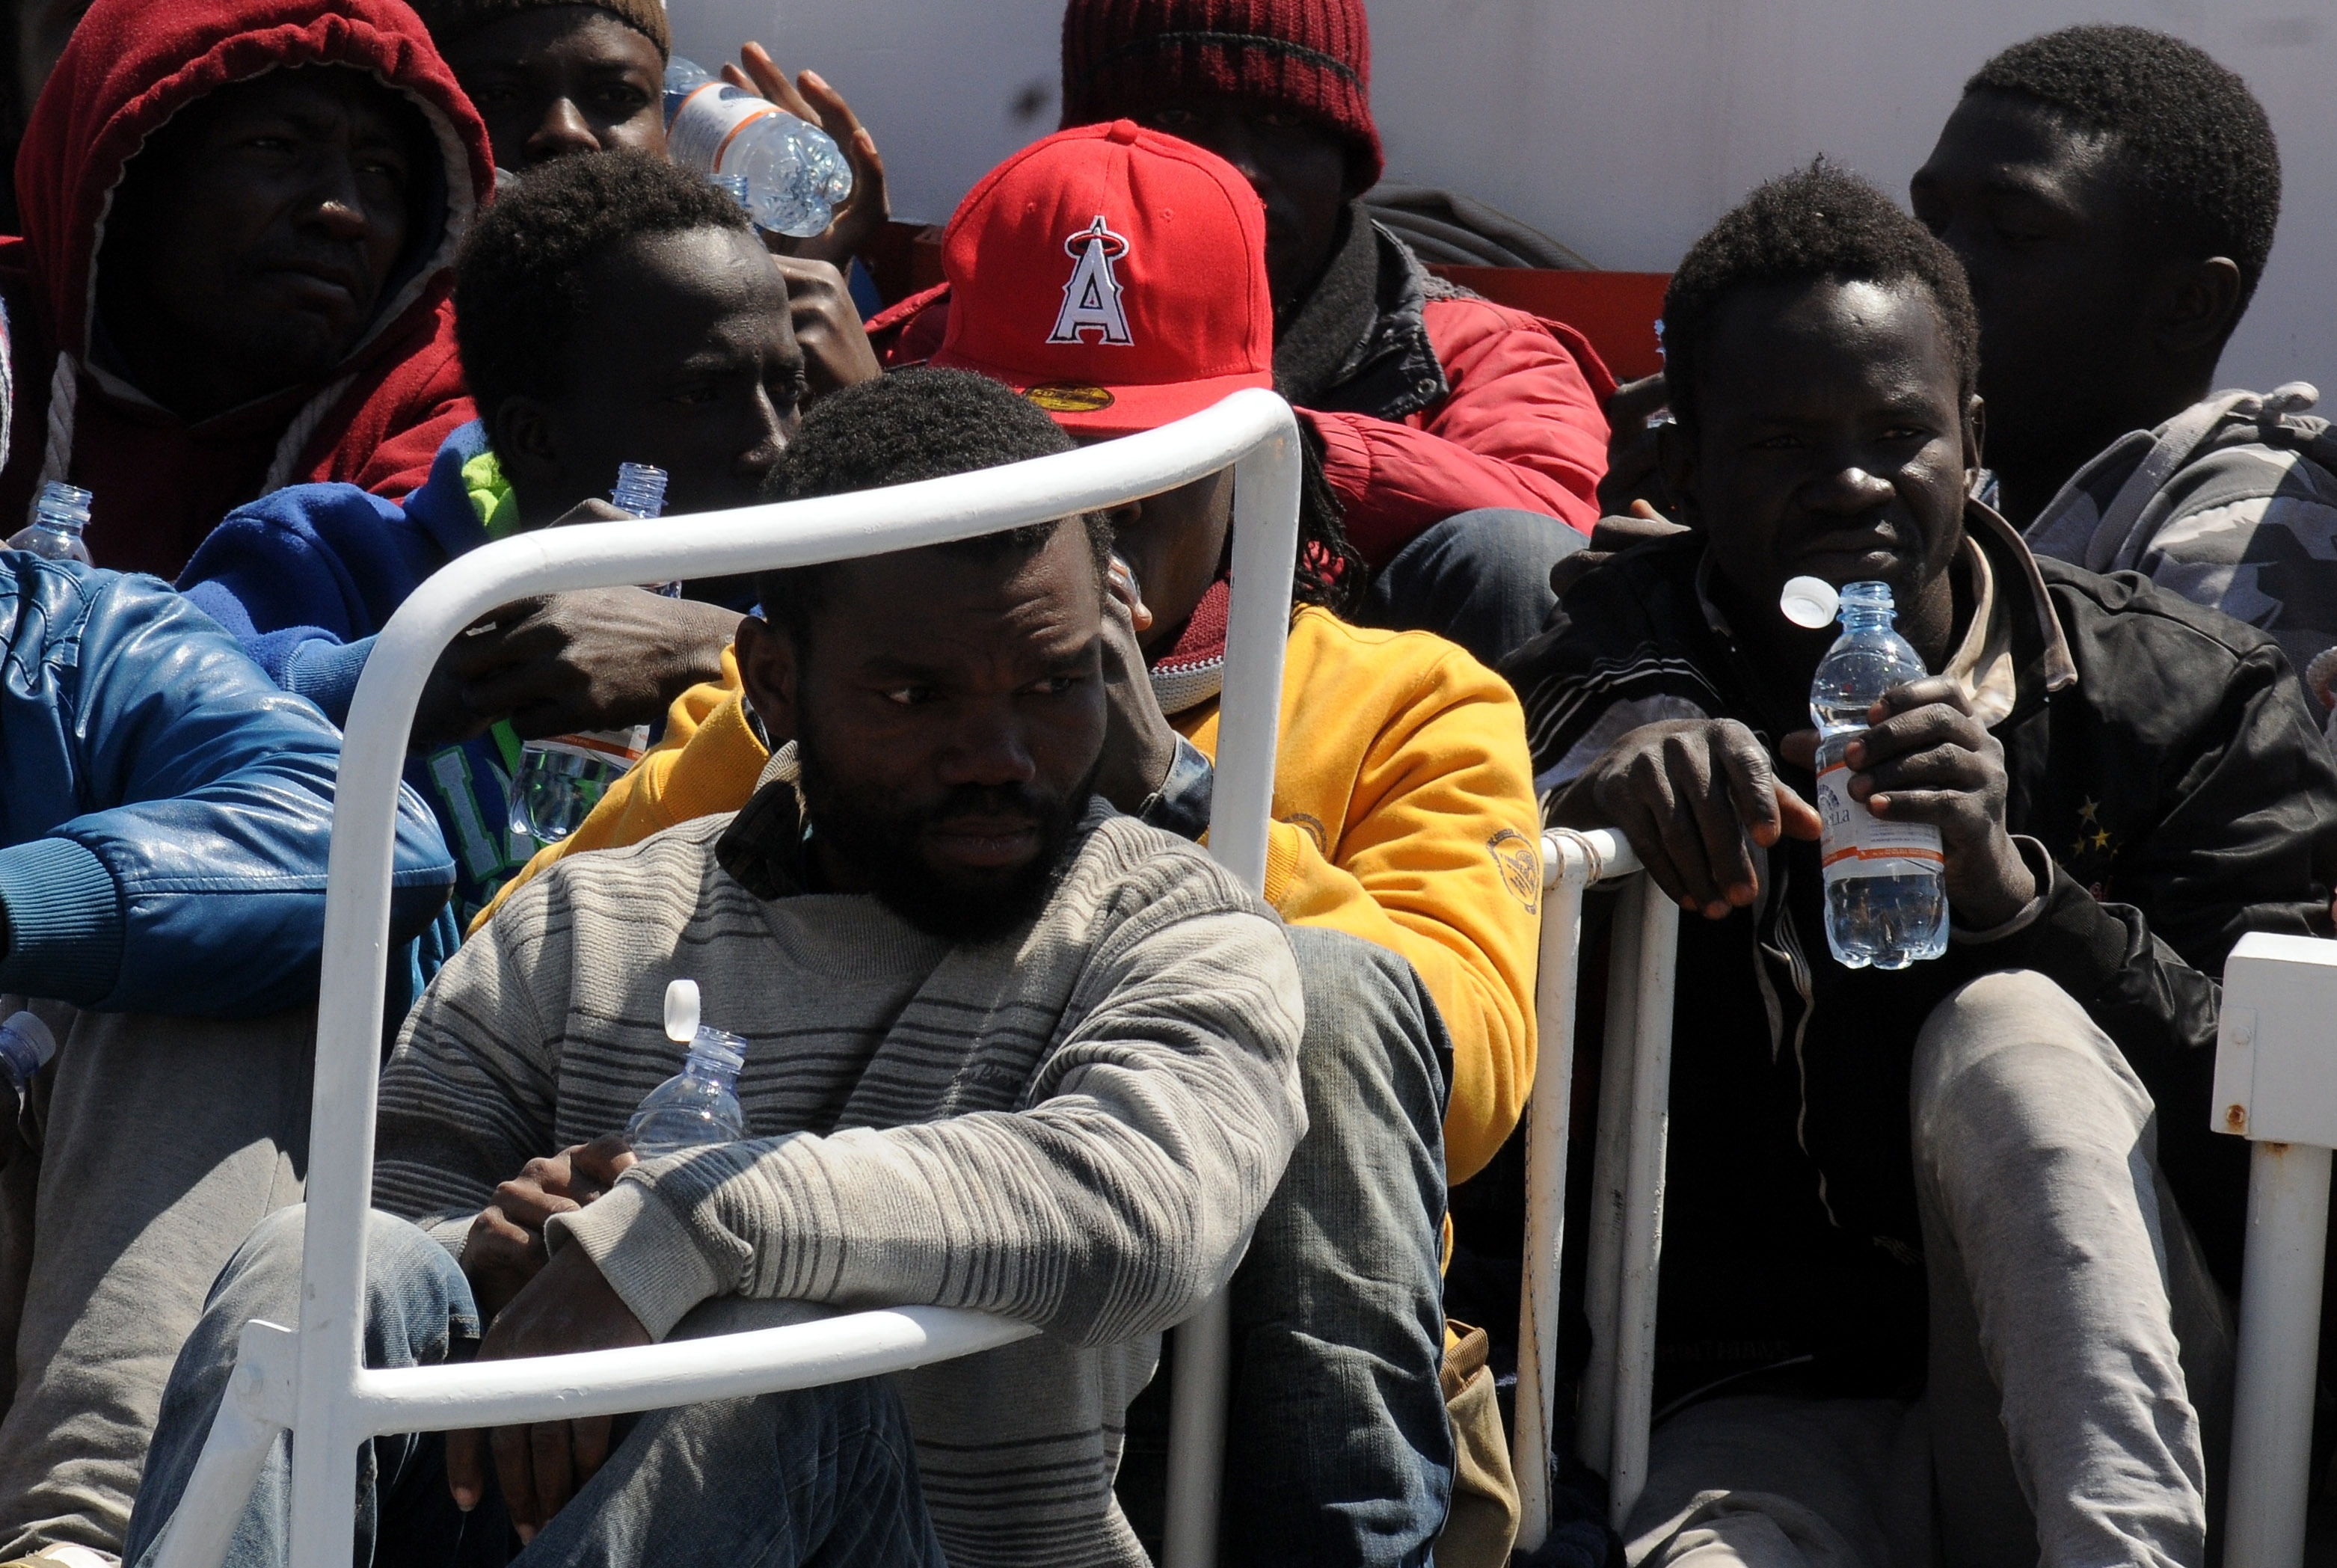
1075,1127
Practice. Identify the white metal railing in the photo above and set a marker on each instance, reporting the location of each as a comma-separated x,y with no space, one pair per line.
1626,1173
313,1380
2276,1085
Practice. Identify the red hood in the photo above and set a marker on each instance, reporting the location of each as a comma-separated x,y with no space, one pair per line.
134,63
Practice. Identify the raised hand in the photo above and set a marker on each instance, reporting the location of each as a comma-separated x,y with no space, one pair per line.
810,98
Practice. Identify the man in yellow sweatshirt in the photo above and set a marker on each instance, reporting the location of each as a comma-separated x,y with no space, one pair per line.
1402,804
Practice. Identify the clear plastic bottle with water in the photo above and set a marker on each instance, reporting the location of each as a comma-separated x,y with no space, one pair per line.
25,1046
796,176
561,779
698,1105
1885,891
58,519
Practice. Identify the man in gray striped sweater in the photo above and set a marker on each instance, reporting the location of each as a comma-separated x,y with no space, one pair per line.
1007,1050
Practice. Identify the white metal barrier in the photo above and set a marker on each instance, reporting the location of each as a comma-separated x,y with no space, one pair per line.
2276,1085
1626,1173
313,1380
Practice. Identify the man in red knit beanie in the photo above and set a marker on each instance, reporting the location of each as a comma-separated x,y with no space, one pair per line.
1462,439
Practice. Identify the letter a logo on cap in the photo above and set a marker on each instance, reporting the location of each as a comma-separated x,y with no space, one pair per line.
1091,298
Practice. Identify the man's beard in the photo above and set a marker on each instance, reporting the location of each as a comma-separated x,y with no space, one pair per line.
880,838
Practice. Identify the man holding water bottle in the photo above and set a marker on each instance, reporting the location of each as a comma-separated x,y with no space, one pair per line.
1955,1235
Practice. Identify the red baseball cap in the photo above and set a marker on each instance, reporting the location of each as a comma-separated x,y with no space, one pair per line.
1113,276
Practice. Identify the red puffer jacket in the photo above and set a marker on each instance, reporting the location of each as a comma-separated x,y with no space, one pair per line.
1461,403
160,482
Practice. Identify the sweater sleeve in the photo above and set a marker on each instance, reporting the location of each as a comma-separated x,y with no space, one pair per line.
709,722
1440,861
1115,1200
1521,429
467,1096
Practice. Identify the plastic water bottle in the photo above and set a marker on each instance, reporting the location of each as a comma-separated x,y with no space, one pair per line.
58,519
699,1104
795,174
1886,893
561,780
25,1046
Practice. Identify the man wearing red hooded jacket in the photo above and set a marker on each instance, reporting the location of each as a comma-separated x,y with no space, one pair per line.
1464,441
239,217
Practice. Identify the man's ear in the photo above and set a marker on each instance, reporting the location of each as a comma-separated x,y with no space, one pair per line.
769,671
1675,461
2195,306
528,449
1975,439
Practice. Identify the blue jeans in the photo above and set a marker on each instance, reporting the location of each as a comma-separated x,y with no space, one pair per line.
1337,1450
821,1475
1480,579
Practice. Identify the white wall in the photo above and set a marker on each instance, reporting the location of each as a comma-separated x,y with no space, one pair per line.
1623,127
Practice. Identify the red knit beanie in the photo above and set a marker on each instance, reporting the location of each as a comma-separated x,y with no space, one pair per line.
1312,57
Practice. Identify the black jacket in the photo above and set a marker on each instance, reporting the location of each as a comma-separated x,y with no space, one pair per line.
2160,754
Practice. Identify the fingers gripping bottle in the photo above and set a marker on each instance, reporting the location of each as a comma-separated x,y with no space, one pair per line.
561,780
58,519
1886,895
699,1104
795,174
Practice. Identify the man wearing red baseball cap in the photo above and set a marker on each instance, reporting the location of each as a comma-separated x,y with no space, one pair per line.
1454,431
1117,278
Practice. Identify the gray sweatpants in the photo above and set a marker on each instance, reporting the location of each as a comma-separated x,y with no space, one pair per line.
150,1148
2076,1340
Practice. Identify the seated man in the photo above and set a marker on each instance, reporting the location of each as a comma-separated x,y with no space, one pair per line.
2123,784
1007,1050
240,221
1463,439
164,813
1403,817
612,308
2112,193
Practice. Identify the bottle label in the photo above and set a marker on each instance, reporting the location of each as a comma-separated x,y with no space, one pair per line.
1853,842
617,747
707,123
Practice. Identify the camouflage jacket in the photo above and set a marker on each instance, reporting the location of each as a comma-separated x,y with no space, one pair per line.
2232,504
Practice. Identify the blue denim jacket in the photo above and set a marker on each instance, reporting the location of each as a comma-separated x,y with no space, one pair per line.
164,808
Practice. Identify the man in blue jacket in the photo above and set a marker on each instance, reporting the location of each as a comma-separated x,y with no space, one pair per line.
164,813
611,307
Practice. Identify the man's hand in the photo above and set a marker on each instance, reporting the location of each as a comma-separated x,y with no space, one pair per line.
569,1306
1613,535
1631,443
504,1249
596,658
1692,796
836,348
1137,743
1926,759
812,99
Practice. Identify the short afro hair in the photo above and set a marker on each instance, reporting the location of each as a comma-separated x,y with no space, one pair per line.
519,287
1821,223
2197,145
913,424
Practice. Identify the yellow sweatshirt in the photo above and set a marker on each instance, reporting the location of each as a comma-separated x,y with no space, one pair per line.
1404,814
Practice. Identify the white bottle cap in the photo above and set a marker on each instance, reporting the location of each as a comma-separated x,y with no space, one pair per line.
681,1011
1810,601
